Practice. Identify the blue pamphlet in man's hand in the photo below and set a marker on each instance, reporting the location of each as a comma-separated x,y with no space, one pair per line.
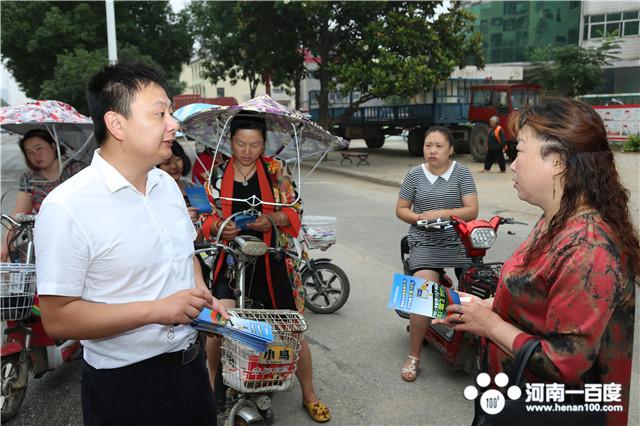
198,198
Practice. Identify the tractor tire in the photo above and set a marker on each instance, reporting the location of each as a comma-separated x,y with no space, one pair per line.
376,142
478,141
415,142
461,146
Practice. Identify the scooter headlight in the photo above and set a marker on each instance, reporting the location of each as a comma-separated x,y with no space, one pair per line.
483,238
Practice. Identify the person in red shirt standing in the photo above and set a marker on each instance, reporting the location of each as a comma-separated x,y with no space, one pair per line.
202,165
496,140
571,284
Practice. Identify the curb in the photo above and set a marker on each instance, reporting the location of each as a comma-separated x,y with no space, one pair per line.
347,173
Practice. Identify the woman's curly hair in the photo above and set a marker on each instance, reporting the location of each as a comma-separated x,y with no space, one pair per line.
574,131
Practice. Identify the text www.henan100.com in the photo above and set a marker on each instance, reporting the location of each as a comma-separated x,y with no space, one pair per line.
588,406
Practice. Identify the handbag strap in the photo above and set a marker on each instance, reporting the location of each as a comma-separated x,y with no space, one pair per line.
518,366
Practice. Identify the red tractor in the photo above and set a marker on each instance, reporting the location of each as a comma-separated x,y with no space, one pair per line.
499,100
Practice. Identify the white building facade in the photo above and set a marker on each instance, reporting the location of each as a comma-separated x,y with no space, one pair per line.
599,18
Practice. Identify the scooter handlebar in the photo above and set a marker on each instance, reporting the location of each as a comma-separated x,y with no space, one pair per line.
511,221
435,223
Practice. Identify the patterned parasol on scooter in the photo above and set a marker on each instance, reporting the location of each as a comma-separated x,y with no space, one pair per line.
67,126
291,136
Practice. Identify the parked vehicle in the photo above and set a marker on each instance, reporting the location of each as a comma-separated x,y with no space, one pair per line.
468,118
28,349
251,377
479,278
326,285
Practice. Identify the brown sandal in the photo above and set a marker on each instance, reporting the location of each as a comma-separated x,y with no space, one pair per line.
410,372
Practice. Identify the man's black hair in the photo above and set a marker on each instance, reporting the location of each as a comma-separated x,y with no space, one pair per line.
114,88
248,120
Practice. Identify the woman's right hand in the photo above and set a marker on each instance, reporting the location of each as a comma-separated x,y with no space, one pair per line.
230,231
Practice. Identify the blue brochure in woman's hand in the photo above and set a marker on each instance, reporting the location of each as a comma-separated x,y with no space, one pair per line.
198,198
418,296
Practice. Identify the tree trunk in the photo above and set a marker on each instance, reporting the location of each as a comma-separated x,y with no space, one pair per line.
296,87
253,86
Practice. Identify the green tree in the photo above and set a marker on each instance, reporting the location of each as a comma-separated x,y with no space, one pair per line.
52,48
251,41
378,49
572,70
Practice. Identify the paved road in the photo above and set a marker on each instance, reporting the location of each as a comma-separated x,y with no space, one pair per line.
357,351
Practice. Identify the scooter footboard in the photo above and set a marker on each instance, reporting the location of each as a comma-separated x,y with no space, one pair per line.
248,371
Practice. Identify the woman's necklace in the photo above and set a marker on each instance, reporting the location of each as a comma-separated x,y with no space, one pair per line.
245,175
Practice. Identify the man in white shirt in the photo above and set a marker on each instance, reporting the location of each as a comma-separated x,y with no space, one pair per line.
115,264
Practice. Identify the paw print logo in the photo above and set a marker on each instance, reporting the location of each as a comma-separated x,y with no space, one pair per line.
492,401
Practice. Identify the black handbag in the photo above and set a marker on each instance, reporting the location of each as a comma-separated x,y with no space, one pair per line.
515,412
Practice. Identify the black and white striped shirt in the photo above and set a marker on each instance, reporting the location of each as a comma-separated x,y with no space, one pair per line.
425,191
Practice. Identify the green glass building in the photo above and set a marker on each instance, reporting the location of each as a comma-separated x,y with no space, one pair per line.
511,29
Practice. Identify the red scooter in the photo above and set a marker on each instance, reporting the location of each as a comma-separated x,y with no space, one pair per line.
28,349
480,279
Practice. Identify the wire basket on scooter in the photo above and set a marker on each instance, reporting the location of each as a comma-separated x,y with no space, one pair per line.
17,289
248,371
319,231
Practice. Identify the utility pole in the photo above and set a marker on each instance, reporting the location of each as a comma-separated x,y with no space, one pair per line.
111,32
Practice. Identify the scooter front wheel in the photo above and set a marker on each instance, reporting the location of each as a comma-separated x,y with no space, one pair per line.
12,396
326,287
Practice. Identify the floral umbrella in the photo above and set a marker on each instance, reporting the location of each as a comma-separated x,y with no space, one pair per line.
291,136
68,127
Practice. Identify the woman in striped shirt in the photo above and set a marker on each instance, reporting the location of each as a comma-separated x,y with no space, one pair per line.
438,188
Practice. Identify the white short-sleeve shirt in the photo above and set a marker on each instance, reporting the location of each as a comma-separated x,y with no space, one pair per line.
99,238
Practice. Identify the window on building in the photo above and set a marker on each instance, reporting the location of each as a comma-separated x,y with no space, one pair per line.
509,8
507,55
509,24
484,25
496,40
496,22
522,7
220,92
631,28
621,24
597,31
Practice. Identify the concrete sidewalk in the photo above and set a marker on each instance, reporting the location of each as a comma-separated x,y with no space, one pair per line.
389,165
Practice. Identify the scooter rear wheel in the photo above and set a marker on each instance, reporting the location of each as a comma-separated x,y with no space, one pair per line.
12,397
331,291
